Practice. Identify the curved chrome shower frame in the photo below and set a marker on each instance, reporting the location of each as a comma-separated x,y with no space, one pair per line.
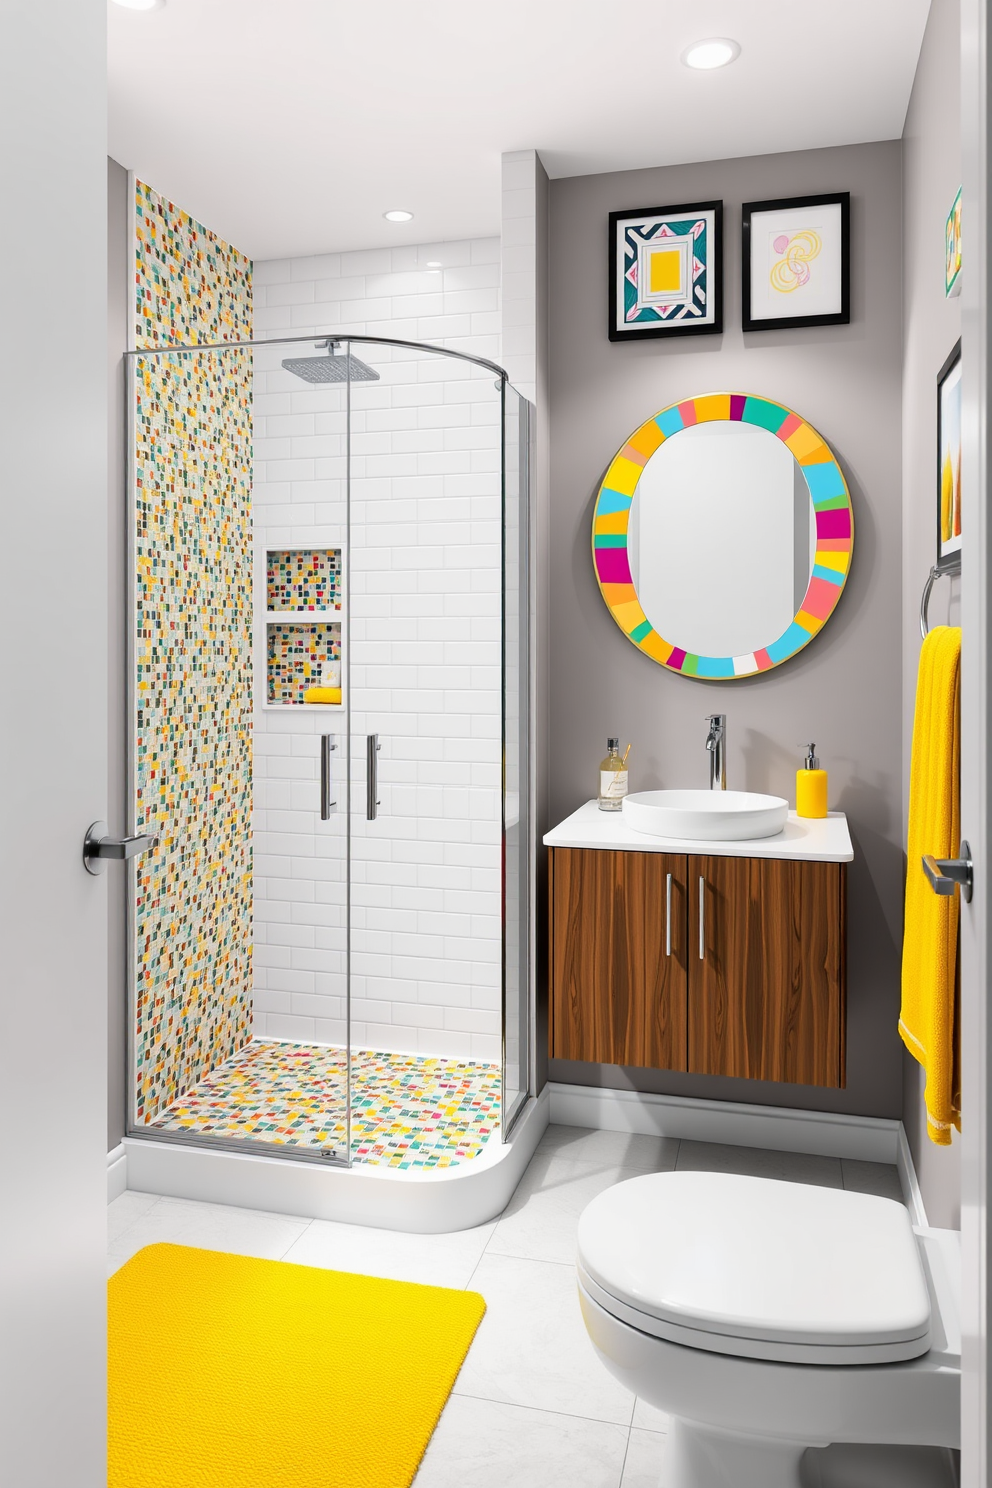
342,336
527,1102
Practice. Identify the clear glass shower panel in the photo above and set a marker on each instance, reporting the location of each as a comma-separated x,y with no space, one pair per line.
517,866
424,644
238,573
301,735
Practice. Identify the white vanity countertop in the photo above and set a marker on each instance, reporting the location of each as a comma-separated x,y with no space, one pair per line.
824,840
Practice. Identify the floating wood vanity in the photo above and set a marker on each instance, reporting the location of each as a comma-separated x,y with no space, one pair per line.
717,958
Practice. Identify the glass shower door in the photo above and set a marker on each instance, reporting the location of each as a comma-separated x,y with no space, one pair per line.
238,920
424,661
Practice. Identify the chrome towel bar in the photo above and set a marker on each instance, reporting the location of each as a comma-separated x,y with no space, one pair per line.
932,577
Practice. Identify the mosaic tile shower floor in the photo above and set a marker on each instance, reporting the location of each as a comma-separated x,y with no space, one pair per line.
407,1111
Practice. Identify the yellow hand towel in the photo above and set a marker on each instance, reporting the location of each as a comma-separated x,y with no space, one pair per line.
322,695
928,1020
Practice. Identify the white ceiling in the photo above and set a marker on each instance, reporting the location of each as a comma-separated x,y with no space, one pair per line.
290,126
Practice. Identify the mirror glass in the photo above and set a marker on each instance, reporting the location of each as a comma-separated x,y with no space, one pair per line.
721,538
722,535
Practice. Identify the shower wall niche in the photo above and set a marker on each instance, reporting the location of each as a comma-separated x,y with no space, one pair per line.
301,638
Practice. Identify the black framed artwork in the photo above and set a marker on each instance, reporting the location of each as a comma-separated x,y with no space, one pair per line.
949,464
666,272
796,262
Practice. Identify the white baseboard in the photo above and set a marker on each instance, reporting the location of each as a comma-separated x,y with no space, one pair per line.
116,1173
780,1128
912,1193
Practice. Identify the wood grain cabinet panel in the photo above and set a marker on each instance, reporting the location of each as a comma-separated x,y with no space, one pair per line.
766,996
618,994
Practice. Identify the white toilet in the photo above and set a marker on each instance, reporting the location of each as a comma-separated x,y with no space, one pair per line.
769,1317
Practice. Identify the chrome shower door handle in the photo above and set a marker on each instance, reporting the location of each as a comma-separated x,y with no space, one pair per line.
327,746
668,916
99,847
372,748
702,918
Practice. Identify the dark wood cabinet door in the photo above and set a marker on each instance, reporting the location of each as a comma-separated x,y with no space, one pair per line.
618,982
767,969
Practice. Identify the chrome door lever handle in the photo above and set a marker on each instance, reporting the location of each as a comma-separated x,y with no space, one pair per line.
947,874
99,847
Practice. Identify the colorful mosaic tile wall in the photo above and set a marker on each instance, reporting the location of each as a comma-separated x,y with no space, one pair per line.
407,1111
297,656
193,917
304,579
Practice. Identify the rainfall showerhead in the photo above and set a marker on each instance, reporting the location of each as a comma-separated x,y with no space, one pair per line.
334,367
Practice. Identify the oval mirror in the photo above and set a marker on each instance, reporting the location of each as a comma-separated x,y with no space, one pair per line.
722,535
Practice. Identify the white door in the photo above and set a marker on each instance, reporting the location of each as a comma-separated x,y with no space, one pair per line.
976,795
53,742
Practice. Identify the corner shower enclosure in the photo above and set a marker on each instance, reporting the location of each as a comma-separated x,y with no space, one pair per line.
331,945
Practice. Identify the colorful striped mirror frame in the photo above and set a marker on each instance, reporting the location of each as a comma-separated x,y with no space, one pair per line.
834,531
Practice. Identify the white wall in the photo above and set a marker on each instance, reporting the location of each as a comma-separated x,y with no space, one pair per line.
424,612
53,744
931,177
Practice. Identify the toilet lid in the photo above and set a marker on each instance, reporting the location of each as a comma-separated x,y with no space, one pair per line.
759,1268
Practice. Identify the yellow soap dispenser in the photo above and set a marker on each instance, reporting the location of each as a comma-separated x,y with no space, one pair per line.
811,787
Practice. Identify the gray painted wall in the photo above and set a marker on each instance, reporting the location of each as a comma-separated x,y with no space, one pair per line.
931,176
845,689
118,288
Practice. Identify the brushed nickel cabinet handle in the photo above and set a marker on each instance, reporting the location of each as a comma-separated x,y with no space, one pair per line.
668,916
702,918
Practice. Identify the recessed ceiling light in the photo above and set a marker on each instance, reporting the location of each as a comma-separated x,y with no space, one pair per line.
398,216
434,263
717,51
139,4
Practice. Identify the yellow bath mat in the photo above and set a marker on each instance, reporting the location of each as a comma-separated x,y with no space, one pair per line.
228,1372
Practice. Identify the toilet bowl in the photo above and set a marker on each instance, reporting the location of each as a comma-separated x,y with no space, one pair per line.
769,1317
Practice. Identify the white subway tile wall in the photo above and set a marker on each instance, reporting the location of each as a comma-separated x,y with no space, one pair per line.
422,609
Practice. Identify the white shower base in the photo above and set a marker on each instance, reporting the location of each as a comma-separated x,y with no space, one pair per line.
425,1200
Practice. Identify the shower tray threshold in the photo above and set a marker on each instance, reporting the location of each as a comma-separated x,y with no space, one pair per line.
423,1200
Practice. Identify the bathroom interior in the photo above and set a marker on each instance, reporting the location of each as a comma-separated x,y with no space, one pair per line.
410,526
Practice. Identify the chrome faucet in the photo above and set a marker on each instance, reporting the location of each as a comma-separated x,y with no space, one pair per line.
716,747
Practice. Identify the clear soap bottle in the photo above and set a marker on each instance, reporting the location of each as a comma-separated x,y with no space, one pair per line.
613,777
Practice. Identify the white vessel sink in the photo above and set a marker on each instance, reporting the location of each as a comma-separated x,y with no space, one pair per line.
705,816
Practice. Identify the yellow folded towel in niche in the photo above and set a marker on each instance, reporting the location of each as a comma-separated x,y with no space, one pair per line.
322,695
928,1020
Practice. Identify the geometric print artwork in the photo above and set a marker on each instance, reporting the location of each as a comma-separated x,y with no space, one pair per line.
192,725
665,271
834,531
407,1111
297,655
304,579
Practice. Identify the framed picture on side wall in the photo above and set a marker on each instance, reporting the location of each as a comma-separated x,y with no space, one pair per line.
666,272
796,262
949,464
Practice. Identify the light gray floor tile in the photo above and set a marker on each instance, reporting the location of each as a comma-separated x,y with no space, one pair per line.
211,1227
435,1260
540,1220
125,1210
645,1464
485,1444
609,1148
872,1178
848,1466
649,1417
532,1347
758,1162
